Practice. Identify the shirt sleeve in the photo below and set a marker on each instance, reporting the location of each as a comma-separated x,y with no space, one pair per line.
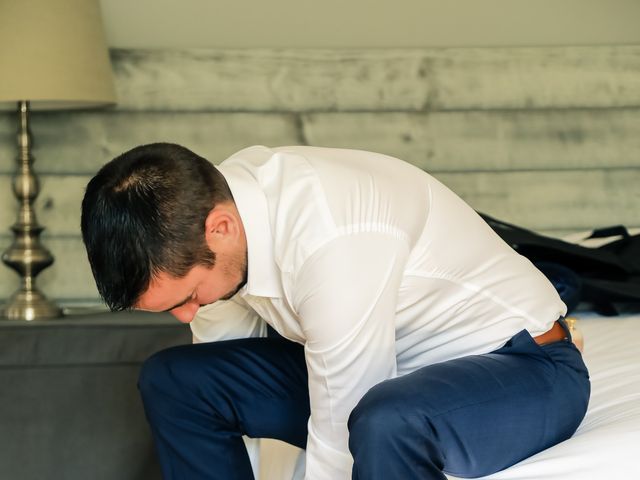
346,296
226,320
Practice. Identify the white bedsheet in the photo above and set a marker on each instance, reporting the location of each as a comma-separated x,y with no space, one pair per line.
607,443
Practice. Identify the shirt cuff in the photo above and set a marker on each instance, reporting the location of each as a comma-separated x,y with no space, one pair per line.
324,462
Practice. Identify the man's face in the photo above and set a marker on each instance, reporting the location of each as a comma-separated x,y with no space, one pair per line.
201,286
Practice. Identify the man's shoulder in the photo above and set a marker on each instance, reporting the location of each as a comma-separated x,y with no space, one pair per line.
253,155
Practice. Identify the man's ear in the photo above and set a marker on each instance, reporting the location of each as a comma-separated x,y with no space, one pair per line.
221,227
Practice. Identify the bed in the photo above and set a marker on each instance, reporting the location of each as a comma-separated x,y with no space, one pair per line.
607,443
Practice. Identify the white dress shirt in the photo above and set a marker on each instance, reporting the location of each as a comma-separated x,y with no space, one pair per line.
376,268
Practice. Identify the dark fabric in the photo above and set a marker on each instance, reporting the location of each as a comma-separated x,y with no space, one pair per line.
567,283
469,416
606,278
69,407
201,399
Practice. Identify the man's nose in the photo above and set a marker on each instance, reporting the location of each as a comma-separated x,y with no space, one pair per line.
185,313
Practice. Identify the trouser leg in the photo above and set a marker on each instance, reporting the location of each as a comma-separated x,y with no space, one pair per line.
471,416
201,399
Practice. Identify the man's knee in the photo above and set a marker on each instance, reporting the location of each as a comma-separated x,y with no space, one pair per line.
161,373
382,415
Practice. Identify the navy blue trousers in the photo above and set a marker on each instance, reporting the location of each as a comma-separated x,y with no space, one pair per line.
469,417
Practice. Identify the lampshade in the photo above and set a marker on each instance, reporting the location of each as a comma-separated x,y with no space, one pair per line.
53,53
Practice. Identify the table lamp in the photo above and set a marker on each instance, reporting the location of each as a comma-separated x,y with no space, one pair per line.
53,56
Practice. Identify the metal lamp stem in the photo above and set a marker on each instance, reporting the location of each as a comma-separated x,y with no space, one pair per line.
26,255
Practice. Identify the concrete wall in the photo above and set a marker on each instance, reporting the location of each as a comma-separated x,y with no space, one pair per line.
545,137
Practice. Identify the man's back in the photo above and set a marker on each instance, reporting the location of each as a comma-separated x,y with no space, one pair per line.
457,273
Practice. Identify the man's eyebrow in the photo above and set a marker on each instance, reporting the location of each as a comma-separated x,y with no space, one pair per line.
177,305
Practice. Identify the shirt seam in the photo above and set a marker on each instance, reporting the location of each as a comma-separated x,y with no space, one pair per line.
427,221
338,235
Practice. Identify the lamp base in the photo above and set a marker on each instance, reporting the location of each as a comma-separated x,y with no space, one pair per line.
29,305
26,255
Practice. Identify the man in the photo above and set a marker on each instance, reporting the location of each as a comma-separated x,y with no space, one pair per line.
416,342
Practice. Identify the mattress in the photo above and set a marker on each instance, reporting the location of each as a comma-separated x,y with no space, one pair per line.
607,443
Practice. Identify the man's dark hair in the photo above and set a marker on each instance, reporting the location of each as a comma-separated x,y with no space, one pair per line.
143,214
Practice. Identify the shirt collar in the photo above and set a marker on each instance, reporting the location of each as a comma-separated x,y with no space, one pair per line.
263,278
